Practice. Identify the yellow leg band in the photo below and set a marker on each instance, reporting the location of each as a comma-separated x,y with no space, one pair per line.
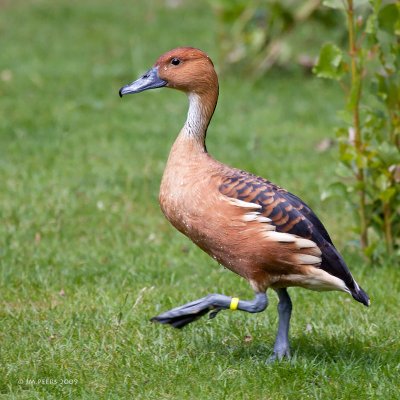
234,303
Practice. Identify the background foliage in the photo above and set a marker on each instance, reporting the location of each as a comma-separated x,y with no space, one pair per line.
361,53
370,135
256,35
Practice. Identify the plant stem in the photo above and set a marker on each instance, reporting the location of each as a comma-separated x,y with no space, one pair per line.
356,84
388,227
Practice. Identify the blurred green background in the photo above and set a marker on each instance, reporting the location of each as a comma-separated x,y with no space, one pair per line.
86,257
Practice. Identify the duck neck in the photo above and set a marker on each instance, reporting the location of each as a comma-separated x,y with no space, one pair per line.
201,110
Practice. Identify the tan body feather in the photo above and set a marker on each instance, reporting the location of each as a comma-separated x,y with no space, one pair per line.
191,200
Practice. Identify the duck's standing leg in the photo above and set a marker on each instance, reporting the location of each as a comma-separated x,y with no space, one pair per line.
281,346
180,316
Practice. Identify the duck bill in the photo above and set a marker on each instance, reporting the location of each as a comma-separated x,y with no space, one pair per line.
150,80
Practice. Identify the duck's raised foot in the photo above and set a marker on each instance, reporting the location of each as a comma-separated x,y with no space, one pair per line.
181,316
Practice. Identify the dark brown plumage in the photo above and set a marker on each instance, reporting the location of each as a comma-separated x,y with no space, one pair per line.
291,215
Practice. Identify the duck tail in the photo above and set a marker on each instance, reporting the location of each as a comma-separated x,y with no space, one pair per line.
360,295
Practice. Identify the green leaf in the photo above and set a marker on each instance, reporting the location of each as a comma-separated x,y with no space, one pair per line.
343,4
388,18
335,4
335,190
360,3
344,172
389,153
370,26
330,62
347,117
387,194
382,182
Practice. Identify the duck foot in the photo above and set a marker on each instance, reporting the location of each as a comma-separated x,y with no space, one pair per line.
279,355
181,316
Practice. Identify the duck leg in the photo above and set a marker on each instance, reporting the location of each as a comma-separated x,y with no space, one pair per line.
281,346
180,316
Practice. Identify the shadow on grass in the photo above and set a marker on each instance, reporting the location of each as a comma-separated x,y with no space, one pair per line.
307,350
328,350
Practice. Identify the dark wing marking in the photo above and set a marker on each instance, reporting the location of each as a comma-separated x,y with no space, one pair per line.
287,211
289,214
306,211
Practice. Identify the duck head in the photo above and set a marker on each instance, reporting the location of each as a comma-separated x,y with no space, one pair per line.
185,68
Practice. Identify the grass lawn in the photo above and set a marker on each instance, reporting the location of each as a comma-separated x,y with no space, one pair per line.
86,257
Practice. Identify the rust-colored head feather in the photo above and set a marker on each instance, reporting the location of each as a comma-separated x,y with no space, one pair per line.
187,69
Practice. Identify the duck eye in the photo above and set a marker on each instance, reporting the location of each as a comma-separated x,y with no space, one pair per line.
175,61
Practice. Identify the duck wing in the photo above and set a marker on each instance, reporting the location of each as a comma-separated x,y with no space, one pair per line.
289,214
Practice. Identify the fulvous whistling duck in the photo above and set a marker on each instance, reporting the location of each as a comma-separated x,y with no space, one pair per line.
248,224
